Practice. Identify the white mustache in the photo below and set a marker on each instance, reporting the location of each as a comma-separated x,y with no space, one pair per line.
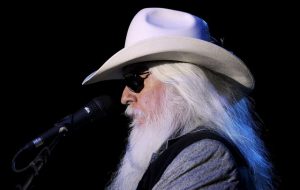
133,113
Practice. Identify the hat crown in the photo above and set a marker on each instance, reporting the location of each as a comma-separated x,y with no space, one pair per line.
157,34
157,22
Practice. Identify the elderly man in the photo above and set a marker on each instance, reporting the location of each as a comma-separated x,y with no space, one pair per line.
187,97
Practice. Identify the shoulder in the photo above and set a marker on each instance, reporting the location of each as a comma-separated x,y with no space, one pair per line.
204,153
204,162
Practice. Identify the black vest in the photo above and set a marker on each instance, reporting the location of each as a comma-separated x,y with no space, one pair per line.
158,166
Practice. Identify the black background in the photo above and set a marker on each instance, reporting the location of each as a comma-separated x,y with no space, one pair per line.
49,48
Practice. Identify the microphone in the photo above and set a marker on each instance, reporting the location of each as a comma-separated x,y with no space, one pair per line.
99,108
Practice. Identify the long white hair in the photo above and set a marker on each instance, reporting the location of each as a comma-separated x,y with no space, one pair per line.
220,104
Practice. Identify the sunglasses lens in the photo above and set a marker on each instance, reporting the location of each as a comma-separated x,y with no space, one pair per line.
135,83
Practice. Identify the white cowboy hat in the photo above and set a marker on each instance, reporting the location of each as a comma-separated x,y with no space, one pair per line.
165,34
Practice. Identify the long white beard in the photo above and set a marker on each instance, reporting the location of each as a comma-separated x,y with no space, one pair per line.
144,140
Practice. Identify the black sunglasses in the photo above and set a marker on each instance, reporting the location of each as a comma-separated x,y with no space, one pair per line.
135,81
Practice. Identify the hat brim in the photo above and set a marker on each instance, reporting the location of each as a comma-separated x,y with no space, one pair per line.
175,48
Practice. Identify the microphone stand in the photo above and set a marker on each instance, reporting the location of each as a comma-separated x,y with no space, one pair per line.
97,109
37,163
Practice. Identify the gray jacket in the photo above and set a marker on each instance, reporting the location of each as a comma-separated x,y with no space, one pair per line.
205,164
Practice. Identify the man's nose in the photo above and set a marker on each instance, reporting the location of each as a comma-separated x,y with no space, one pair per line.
128,96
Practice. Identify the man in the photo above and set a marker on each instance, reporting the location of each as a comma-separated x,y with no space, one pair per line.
191,123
